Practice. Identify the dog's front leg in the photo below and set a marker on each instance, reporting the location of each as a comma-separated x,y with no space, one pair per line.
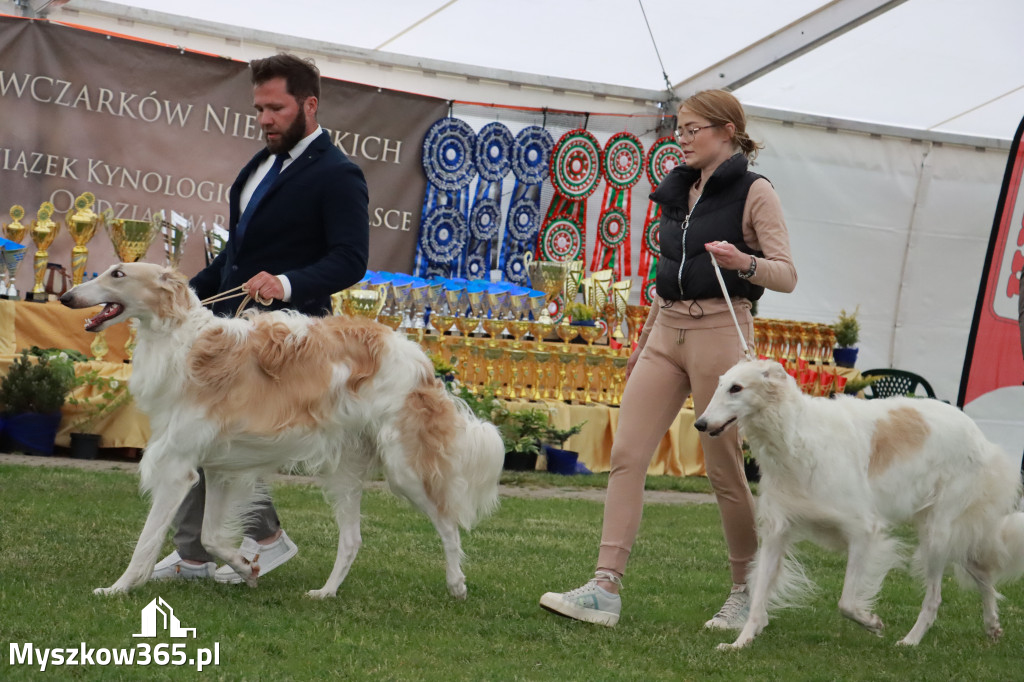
167,496
767,565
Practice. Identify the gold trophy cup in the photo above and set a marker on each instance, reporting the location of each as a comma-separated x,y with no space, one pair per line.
175,232
44,231
131,239
81,224
14,231
549,277
620,300
214,240
366,303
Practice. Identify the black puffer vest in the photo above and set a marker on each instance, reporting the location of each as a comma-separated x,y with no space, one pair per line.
685,271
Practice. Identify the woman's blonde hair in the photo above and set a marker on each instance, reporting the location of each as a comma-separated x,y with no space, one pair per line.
721,107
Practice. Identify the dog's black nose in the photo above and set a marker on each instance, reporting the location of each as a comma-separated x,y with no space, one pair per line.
701,425
65,298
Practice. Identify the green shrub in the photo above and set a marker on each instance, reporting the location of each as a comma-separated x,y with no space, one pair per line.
37,386
847,328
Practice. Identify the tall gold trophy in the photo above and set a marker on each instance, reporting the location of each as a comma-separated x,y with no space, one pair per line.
44,231
14,231
549,277
175,231
81,224
215,239
131,239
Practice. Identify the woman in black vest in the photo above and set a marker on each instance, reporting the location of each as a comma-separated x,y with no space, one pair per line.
710,205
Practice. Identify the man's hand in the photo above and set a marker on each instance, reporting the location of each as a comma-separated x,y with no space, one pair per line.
264,287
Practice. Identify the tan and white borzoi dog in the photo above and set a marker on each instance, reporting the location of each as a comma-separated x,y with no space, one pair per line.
842,472
242,398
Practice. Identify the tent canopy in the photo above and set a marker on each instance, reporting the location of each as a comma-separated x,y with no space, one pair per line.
935,65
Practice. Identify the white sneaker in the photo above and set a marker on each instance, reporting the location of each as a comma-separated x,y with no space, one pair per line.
734,612
590,603
268,557
173,567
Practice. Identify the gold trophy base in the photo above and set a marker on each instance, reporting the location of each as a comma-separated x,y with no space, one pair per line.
37,297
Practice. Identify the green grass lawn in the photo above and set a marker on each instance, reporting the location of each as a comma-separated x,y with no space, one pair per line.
64,532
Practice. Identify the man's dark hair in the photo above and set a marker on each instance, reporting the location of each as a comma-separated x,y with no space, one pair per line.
301,75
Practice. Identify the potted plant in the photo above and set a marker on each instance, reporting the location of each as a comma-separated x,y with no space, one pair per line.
31,395
528,433
847,330
521,430
443,369
561,461
581,314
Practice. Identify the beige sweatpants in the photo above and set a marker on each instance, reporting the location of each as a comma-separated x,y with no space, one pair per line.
673,363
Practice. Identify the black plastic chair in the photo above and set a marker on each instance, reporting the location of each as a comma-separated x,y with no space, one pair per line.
892,382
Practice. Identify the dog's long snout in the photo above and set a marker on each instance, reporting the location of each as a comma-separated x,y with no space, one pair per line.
701,424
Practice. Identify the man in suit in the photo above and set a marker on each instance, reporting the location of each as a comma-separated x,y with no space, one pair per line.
299,231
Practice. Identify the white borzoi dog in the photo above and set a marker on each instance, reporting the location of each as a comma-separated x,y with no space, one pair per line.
242,398
842,472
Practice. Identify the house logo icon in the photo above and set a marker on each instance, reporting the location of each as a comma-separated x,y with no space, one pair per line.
159,613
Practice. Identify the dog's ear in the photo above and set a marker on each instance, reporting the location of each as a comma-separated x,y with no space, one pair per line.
174,303
773,371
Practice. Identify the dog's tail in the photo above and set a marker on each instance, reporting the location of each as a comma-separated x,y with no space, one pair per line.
990,533
1012,535
479,457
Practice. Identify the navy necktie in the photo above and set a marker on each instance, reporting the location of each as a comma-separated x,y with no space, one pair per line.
257,195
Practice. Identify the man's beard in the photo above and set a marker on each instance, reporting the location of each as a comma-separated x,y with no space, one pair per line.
290,137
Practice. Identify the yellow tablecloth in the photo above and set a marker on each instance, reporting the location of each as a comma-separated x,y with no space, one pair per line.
679,452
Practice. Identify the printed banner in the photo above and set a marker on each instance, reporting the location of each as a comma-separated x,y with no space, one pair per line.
171,133
994,357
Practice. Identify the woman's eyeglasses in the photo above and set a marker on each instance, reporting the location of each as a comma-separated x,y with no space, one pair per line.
687,134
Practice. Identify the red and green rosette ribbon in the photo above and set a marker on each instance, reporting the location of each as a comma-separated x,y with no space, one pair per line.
623,163
662,157
575,172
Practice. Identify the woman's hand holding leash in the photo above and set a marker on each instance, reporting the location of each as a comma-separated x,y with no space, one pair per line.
728,256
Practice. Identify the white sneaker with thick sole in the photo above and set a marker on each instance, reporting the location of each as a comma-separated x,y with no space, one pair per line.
590,603
268,557
173,567
734,612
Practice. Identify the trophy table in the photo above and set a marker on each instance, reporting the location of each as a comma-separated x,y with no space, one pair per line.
44,231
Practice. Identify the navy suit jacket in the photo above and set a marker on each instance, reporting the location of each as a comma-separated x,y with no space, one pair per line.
311,226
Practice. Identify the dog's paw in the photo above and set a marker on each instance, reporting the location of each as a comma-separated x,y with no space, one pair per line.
112,590
458,590
994,633
733,646
874,625
906,642
320,594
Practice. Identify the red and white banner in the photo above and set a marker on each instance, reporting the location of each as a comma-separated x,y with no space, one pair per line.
994,358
